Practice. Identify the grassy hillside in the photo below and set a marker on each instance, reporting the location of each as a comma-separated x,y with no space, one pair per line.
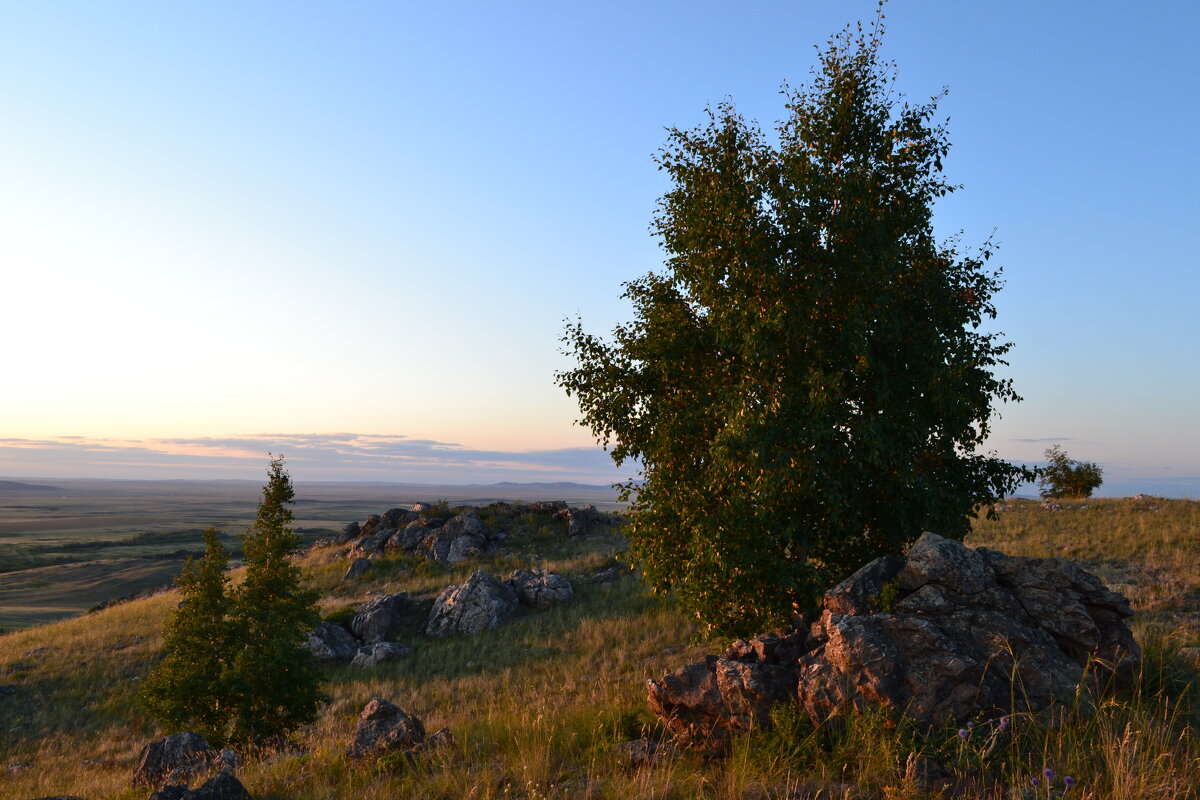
539,705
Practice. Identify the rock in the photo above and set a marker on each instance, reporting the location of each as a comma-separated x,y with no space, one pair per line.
397,518
351,531
370,524
330,643
639,752
607,574
472,607
379,653
539,588
967,632
367,546
459,539
61,797
420,508
187,751
383,726
547,507
380,618
586,520
703,703
358,568
18,767
222,786
409,538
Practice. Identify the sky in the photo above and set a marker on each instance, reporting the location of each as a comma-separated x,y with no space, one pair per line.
351,233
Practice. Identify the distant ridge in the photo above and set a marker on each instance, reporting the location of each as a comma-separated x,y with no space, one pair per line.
17,486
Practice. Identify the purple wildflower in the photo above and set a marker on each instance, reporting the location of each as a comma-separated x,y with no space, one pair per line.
1034,781
1003,724
1068,781
963,733
1049,773
970,726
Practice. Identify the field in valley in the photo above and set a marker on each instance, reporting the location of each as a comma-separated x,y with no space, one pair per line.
540,707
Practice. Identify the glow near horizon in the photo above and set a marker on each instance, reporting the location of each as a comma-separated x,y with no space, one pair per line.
226,220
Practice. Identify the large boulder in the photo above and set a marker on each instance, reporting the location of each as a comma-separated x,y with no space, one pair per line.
409,538
472,607
384,726
358,568
540,588
941,636
185,751
396,518
381,617
351,531
330,643
967,631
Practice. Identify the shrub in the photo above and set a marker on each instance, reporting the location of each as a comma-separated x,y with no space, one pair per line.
1066,478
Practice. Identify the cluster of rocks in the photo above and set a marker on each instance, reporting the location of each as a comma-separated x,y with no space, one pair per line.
416,531
946,634
480,603
172,762
169,764
411,532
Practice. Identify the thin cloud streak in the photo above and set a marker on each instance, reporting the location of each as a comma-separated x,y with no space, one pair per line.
339,456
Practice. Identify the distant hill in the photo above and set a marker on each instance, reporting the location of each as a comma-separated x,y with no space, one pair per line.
17,486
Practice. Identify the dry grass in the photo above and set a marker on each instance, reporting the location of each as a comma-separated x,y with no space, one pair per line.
538,706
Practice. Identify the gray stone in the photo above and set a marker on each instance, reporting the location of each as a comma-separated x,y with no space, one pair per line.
358,568
472,607
383,726
381,617
187,750
330,643
540,588
380,653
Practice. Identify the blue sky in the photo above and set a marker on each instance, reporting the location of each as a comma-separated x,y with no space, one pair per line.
230,226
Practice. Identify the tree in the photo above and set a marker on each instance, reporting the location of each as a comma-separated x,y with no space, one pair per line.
1065,477
806,386
274,680
186,690
235,667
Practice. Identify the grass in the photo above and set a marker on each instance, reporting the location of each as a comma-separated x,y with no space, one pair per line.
538,707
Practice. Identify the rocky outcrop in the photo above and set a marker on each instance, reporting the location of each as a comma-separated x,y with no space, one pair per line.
472,607
940,636
540,588
381,617
185,751
330,643
586,520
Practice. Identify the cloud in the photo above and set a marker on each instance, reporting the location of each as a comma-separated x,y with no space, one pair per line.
333,456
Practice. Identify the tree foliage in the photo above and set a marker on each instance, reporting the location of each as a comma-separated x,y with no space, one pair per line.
235,667
274,678
806,385
1064,477
187,690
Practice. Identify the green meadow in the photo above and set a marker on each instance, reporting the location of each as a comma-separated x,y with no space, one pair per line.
540,706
